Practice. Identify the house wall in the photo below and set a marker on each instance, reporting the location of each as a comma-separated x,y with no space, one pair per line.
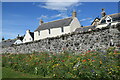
104,25
74,24
27,37
53,33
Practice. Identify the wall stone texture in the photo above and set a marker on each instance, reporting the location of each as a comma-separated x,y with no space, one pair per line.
77,41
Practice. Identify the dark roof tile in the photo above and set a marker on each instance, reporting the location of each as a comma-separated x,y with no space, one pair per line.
55,24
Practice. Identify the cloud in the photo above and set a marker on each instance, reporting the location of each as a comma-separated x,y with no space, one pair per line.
85,19
63,7
60,5
42,17
91,20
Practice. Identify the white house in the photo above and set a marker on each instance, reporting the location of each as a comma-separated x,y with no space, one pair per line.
95,22
19,39
29,36
106,20
18,42
56,28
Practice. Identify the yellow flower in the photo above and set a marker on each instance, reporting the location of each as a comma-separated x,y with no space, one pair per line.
74,69
78,58
109,72
71,63
55,65
100,62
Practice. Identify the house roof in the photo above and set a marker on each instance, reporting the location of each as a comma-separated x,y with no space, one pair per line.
20,38
115,17
32,35
7,43
55,24
84,29
95,19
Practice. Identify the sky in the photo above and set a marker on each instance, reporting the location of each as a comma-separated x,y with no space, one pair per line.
17,17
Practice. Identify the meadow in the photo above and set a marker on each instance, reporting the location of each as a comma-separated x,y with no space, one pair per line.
98,65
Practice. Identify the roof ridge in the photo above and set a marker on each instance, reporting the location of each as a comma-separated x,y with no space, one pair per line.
56,20
113,14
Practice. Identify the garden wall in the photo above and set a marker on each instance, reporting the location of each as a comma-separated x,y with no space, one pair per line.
79,41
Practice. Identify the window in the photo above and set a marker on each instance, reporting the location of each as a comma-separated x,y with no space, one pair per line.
49,31
108,19
25,40
30,38
62,29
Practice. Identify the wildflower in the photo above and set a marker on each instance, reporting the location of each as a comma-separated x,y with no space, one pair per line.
88,51
78,58
100,62
115,52
63,61
109,72
92,71
89,59
76,65
36,70
54,75
83,60
93,60
74,69
55,65
36,62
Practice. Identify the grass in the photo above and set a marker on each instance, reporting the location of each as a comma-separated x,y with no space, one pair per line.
9,73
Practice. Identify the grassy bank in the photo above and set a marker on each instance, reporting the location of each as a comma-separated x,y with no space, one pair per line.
86,65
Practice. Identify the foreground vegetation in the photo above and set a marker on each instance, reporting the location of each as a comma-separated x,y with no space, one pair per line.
9,73
87,65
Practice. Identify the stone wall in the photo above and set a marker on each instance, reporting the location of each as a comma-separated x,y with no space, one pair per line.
95,39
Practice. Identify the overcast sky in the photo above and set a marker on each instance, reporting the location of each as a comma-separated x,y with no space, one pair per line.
17,17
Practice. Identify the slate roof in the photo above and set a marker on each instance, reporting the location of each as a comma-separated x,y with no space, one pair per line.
20,38
95,19
115,17
32,35
7,43
84,29
55,24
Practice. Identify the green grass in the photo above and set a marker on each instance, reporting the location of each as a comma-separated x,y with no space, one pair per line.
9,73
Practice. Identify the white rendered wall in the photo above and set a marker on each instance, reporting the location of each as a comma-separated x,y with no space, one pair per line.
43,34
36,37
53,33
27,37
74,24
104,25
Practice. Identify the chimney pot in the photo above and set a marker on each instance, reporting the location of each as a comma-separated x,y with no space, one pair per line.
103,12
41,21
74,14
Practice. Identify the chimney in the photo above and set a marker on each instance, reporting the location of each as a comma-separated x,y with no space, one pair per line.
41,21
103,12
3,39
18,36
74,14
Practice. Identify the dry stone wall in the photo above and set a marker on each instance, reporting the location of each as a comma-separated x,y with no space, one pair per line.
96,39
